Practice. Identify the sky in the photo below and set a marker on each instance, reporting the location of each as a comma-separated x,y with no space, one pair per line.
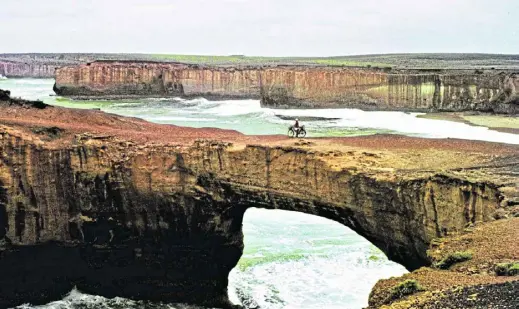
260,27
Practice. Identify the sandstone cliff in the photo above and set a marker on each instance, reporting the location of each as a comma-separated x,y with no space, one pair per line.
300,86
162,79
121,207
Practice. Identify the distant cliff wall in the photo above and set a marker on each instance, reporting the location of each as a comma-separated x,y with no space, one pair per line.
300,86
145,78
382,90
18,69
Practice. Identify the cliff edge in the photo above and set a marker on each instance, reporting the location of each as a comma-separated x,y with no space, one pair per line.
121,207
300,86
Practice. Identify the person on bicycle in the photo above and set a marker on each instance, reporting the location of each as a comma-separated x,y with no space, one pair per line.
296,127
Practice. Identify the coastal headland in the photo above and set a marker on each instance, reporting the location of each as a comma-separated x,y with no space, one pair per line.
122,207
400,82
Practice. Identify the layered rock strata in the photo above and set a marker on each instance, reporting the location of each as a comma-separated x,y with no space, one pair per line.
122,207
127,78
300,86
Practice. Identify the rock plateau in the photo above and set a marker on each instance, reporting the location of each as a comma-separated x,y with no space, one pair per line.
121,207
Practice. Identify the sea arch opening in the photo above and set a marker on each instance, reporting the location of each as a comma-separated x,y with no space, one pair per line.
295,259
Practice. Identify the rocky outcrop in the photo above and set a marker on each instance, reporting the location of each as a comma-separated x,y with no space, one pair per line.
6,100
300,86
122,207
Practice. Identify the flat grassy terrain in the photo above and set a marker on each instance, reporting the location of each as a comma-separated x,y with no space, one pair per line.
397,61
501,123
247,60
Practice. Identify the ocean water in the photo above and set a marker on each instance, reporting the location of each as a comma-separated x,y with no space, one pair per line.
248,117
291,260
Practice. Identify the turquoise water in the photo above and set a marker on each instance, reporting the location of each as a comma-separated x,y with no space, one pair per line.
294,260
291,260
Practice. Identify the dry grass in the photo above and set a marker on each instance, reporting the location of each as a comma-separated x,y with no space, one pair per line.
490,243
501,123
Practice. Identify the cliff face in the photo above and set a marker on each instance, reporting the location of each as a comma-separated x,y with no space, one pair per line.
17,69
148,211
162,79
300,87
400,90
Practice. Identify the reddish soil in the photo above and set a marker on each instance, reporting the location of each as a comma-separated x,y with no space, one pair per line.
75,121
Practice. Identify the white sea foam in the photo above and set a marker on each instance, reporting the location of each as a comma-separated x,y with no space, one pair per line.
77,300
292,260
176,118
235,108
300,269
398,122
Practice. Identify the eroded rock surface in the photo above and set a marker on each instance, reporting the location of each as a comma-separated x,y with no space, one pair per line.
121,207
300,86
472,282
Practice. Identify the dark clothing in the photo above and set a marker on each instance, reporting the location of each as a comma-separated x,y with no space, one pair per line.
296,125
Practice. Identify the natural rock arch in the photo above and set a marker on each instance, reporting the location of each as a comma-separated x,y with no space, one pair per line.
164,222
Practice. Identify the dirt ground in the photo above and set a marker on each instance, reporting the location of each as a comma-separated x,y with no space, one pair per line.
489,243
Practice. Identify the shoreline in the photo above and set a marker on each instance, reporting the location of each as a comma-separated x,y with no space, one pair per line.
217,175
496,122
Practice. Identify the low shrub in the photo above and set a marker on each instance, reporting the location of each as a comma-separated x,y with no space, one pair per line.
507,269
453,258
405,288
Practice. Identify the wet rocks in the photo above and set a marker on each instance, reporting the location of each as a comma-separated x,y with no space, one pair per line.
5,99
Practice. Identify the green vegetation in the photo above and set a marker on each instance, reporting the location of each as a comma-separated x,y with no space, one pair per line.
245,60
405,288
493,121
507,269
496,122
453,258
480,62
345,63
